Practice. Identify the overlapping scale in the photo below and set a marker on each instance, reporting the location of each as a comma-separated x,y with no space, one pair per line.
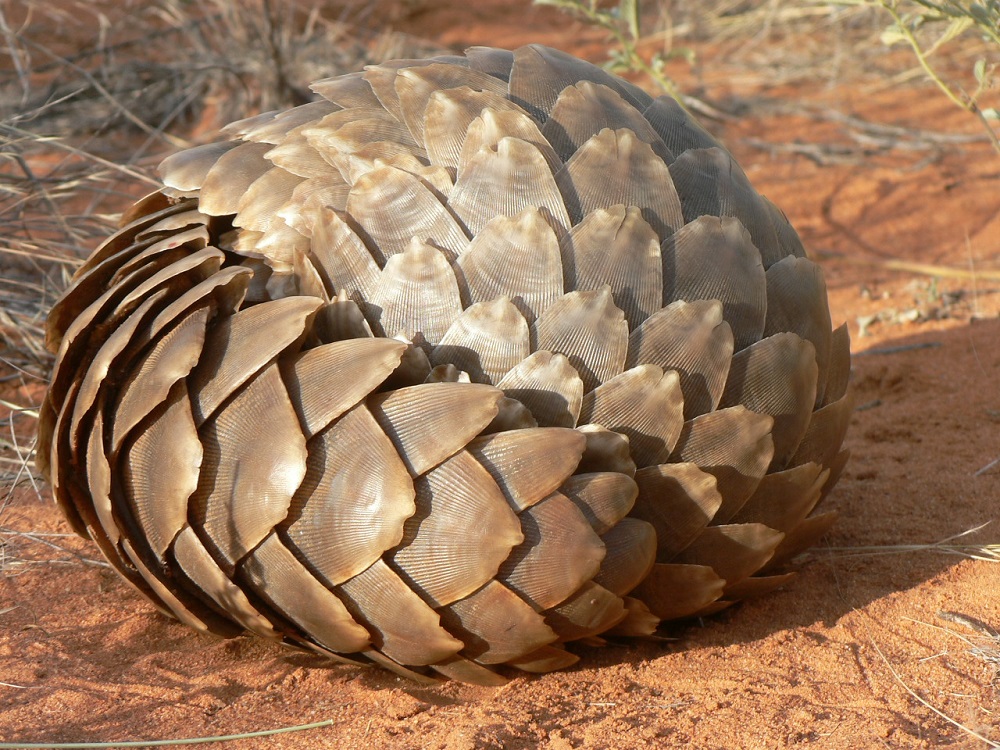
231,176
342,133
258,206
496,62
504,180
342,258
99,481
465,670
392,206
496,625
645,405
784,498
545,659
838,374
174,272
733,551
589,330
630,554
161,467
678,130
711,182
693,340
796,294
170,359
276,576
549,386
181,604
679,500
735,446
156,220
776,376
232,354
416,296
529,464
585,109
355,489
311,198
554,531
402,625
617,247
101,362
516,257
443,556
415,87
204,573
676,590
275,127
296,156
246,485
431,422
448,117
468,359
825,433
616,167
186,170
713,258
506,121
487,340
539,74
325,382
604,497
591,610
347,91
606,451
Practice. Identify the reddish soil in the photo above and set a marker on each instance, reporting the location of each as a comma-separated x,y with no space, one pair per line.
852,654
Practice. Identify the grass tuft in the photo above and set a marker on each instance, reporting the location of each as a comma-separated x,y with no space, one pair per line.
985,552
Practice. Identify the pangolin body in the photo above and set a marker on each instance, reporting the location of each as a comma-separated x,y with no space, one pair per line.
470,358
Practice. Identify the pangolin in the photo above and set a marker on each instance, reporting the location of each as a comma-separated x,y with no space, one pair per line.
469,358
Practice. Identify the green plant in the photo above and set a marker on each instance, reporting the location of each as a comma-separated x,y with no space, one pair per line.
910,20
624,25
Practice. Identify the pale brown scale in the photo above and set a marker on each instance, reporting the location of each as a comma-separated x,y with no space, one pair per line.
448,117
645,405
507,121
616,247
415,87
616,167
590,330
584,110
467,360
486,340
516,258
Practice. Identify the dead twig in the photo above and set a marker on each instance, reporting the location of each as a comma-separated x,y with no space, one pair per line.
971,732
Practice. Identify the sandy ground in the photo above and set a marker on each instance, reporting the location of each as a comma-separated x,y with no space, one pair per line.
852,654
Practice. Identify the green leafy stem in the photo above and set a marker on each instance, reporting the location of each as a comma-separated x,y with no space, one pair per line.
958,18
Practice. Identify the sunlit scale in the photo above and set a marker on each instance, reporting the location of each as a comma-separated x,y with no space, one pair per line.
468,359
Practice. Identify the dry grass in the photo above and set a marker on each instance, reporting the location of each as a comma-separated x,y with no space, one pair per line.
984,551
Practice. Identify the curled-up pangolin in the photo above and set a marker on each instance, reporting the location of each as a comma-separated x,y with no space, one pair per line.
468,359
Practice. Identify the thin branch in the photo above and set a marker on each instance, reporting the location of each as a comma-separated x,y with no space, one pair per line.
165,743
